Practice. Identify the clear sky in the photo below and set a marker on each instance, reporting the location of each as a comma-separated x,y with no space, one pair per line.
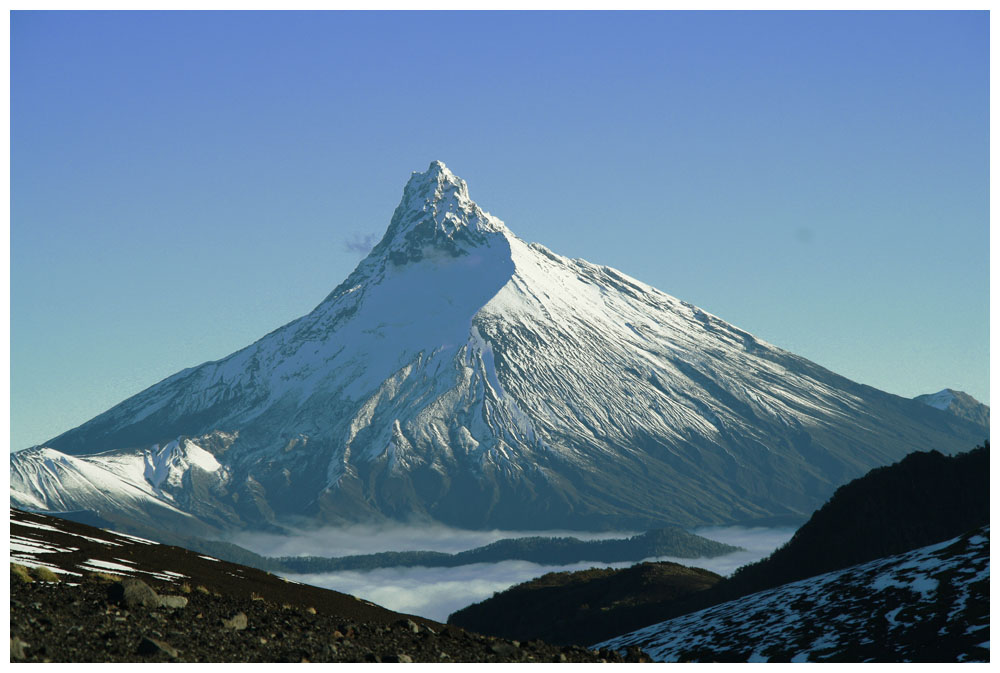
183,183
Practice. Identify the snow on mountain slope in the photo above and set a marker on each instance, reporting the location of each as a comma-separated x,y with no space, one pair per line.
930,604
143,485
462,375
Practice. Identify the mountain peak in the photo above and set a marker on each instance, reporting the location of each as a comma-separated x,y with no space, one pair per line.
435,212
435,185
439,172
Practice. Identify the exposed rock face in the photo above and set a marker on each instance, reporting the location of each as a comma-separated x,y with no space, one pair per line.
462,375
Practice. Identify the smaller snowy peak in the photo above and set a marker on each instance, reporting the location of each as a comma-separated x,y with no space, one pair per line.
959,404
939,400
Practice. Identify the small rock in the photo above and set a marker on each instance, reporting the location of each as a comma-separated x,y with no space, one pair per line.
409,625
133,593
173,601
337,635
634,655
561,658
150,647
17,647
237,622
505,650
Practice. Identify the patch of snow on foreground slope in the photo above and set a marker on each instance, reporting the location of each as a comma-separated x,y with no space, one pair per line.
930,604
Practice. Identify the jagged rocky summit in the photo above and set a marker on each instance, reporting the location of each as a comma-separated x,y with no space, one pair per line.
462,375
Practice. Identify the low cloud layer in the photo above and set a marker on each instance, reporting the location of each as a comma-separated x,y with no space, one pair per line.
394,537
758,542
437,592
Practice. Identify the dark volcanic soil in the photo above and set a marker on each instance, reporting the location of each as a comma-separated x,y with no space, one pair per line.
222,612
52,621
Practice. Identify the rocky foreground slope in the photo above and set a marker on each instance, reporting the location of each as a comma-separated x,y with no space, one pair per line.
81,594
462,375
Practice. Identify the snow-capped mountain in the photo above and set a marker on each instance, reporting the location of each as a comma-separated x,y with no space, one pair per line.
930,604
958,403
462,375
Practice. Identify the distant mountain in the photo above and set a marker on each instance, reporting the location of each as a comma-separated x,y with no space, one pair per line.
541,550
585,606
960,404
927,605
464,376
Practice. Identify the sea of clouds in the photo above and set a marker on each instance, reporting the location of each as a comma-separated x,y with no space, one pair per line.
437,592
369,539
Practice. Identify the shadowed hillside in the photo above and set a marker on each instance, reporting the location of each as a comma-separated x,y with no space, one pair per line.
584,606
923,499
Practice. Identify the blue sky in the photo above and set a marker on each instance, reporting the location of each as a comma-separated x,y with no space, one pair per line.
183,183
